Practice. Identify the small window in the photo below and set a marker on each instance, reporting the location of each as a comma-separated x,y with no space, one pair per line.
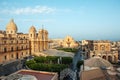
5,49
11,42
31,35
17,41
17,48
26,53
22,47
22,53
12,56
103,48
5,57
4,42
95,48
11,48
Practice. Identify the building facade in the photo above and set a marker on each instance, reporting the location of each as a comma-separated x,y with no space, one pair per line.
102,48
38,41
69,42
14,45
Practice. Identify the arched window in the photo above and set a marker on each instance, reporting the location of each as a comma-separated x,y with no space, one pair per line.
110,58
12,56
26,53
5,57
11,42
22,47
102,47
104,57
17,41
4,42
95,47
22,53
26,46
17,56
17,48
5,49
11,48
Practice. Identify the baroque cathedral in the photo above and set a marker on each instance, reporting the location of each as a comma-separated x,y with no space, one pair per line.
14,45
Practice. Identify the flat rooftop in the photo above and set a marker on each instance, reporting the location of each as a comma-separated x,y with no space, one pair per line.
38,75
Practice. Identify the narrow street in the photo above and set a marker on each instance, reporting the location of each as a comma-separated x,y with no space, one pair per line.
76,58
73,75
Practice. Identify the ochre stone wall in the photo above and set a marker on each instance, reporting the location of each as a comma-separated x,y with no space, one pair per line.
103,49
15,45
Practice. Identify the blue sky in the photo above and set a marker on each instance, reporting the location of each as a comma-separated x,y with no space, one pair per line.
81,19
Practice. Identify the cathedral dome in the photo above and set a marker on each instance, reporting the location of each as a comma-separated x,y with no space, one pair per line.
11,26
32,29
97,62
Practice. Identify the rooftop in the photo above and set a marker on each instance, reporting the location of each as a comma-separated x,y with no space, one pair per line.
39,75
91,75
97,62
101,41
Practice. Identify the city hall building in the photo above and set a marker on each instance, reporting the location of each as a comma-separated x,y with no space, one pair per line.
14,45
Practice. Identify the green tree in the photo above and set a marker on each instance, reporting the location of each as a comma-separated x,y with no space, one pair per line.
40,59
79,63
66,60
30,62
53,59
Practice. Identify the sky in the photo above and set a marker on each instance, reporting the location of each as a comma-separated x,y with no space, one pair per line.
81,19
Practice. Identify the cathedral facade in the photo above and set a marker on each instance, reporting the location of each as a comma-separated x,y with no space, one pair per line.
69,42
38,41
14,45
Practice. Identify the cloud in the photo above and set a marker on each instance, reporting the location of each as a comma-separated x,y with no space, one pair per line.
30,10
